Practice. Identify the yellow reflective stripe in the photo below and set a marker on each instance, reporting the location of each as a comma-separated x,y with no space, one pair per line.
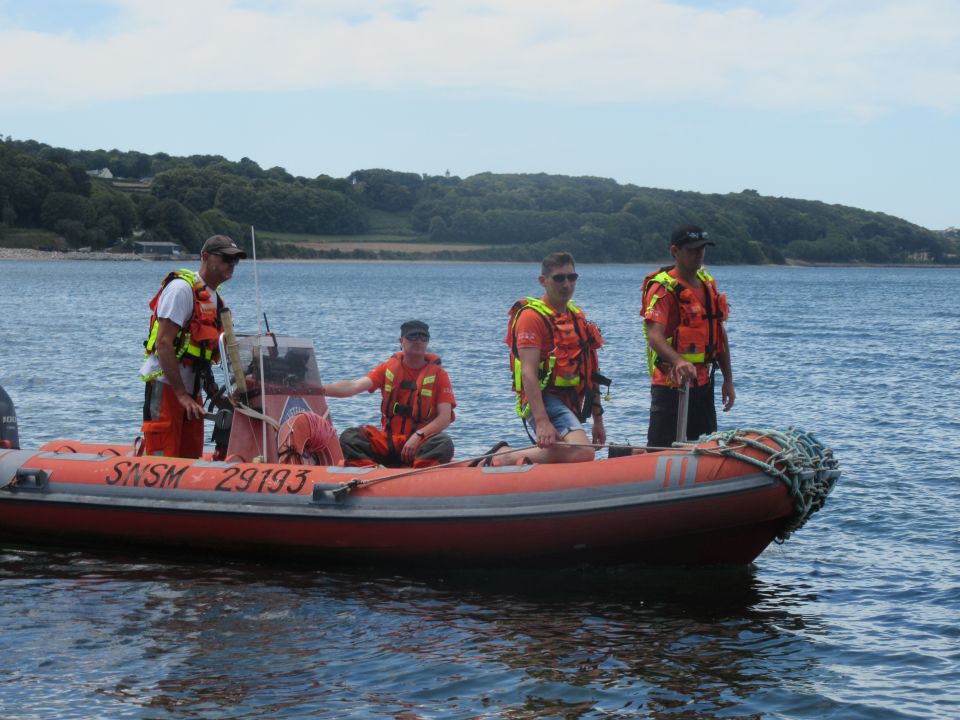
694,357
186,347
544,380
666,279
152,340
522,408
539,305
429,379
426,393
653,301
551,363
567,382
195,351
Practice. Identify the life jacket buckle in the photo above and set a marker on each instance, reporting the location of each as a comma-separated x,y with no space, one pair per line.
402,410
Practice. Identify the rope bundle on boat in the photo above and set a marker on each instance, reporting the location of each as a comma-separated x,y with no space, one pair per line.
306,439
804,464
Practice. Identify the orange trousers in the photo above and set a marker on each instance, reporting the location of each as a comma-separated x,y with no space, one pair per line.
166,431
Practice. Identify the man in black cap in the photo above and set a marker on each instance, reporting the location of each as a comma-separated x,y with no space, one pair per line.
416,407
683,316
184,340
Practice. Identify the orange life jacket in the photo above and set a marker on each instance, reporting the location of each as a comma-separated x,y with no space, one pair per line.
200,340
571,371
699,336
408,405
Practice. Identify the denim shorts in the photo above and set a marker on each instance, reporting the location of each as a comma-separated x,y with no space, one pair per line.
560,415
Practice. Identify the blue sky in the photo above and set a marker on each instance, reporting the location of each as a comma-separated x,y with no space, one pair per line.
853,102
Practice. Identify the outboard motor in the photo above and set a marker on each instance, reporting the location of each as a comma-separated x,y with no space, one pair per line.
9,434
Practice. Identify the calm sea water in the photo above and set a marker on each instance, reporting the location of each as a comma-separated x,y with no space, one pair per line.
856,616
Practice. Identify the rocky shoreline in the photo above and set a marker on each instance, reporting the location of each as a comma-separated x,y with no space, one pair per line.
27,254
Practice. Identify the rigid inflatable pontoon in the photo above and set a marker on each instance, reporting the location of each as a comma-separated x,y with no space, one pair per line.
722,499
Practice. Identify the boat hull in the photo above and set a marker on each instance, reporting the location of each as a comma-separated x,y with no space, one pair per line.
679,506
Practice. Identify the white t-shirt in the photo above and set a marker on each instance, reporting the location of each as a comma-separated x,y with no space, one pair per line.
176,305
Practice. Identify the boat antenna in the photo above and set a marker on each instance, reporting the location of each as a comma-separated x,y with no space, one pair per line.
260,358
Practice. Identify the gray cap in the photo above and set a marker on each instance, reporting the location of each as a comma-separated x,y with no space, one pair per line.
414,326
222,245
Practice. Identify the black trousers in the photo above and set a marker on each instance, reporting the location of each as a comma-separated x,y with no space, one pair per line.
664,401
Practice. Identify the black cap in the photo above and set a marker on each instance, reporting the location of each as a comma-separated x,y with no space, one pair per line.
414,326
691,236
222,245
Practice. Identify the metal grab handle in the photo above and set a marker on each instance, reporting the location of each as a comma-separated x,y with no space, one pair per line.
683,407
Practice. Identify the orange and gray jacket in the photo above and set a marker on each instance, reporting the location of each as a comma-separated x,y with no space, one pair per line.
699,337
408,404
571,370
200,340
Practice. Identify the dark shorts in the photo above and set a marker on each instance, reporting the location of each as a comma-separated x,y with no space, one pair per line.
701,414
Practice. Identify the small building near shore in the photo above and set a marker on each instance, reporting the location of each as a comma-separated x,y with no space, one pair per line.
144,247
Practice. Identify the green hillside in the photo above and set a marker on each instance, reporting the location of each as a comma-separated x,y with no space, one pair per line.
384,213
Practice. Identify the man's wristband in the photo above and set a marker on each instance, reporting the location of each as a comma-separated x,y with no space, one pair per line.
420,433
597,410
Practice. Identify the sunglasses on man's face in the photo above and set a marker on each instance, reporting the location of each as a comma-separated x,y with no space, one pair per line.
231,259
417,336
560,277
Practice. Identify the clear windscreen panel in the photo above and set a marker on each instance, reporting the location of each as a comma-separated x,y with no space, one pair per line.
289,364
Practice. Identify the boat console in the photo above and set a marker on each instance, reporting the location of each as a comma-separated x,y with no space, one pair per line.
270,380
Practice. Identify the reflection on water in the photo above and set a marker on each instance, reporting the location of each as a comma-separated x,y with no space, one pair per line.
249,641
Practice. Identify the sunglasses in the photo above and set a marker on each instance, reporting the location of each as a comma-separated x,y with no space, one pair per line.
560,277
418,336
232,259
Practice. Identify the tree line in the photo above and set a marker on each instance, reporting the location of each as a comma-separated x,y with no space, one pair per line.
516,217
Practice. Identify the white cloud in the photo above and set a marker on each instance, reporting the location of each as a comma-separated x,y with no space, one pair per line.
862,58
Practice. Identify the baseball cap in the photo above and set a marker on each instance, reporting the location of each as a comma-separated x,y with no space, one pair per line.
691,236
414,326
222,245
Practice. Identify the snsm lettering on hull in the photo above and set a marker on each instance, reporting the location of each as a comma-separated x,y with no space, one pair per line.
149,474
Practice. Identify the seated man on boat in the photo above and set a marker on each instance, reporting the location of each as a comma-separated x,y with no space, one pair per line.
184,340
553,359
416,407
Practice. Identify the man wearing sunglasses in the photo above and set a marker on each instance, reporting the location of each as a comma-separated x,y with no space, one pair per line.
416,407
684,317
553,357
184,340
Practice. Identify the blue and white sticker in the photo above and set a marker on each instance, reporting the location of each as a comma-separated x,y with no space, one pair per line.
293,406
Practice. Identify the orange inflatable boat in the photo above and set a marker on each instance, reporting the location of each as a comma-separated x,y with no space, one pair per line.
720,500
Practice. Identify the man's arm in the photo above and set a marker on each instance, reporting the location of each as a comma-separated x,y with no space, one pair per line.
728,393
598,432
530,376
680,369
437,425
167,331
347,388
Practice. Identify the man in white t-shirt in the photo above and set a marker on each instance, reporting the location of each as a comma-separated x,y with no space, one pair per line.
183,342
